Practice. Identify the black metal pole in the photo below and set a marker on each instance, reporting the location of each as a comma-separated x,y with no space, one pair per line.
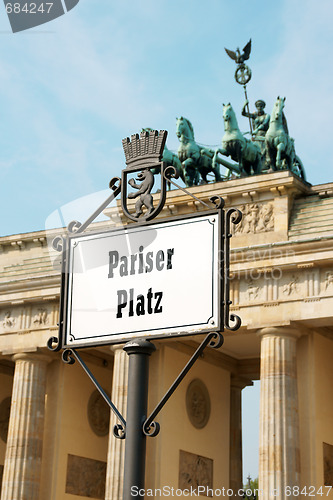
137,397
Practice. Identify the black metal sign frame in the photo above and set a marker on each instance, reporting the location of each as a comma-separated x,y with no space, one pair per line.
144,156
163,331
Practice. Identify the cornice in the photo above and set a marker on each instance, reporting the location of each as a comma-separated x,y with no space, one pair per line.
30,283
296,248
276,184
38,237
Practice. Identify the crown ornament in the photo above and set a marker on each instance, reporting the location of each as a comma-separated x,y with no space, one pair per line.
144,149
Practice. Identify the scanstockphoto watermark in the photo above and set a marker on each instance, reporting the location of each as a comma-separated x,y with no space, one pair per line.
170,491
288,491
25,15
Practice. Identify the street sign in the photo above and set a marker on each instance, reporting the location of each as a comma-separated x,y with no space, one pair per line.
162,279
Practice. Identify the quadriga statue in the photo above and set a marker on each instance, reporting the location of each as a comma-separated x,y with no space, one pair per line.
238,147
196,160
260,122
280,147
169,158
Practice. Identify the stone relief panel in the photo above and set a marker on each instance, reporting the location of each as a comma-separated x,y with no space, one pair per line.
275,285
328,281
328,464
257,218
259,287
280,285
40,318
253,290
98,414
27,317
195,471
198,403
292,287
9,320
85,477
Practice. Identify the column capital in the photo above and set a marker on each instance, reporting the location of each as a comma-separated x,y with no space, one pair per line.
279,331
116,347
32,356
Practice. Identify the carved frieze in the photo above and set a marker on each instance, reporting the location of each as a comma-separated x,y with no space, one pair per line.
276,284
194,471
40,318
9,320
253,290
85,477
292,286
329,280
257,218
25,317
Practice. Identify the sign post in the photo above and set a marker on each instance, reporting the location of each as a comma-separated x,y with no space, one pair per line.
144,281
135,446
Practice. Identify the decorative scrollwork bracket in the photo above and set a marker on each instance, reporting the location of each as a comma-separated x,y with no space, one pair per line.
213,340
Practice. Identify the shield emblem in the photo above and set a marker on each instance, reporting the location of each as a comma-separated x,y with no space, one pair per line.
143,155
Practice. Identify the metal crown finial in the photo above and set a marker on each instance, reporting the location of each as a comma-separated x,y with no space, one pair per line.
144,148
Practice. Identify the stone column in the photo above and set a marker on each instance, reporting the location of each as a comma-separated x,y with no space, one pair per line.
236,468
279,455
21,478
116,449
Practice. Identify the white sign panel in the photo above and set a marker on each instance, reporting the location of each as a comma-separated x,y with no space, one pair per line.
149,281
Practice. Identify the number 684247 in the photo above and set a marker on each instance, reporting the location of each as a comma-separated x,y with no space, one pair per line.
29,8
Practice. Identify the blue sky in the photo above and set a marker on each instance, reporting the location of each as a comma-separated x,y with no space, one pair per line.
72,89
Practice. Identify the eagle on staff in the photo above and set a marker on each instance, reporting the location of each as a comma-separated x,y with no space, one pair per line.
239,57
243,73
